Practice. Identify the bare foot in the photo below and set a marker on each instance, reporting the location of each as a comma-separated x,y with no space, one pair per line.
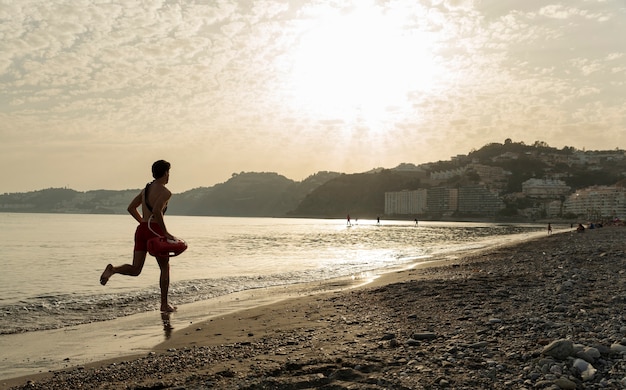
108,271
167,308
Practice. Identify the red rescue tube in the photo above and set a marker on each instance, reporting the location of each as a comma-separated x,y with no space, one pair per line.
163,247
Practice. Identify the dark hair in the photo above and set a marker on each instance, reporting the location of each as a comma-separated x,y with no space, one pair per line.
160,168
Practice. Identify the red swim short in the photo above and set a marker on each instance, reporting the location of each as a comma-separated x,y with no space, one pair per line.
143,234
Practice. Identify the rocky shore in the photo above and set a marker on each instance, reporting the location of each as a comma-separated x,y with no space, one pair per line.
544,314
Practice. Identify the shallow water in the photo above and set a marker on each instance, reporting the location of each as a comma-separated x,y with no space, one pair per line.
52,262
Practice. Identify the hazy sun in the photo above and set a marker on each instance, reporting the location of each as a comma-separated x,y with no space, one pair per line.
362,64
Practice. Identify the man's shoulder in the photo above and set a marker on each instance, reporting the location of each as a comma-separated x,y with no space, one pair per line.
161,190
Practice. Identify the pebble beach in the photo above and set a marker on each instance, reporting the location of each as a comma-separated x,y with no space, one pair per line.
548,313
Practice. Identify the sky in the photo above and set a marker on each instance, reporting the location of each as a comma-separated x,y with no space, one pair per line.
93,91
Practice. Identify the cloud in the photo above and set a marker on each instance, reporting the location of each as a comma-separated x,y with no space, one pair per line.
559,11
213,84
456,4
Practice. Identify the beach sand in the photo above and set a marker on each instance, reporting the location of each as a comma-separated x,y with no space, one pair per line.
546,313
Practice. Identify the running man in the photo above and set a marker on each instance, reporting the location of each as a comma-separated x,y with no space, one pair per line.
153,201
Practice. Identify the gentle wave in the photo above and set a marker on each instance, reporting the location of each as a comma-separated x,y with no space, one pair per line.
228,255
47,312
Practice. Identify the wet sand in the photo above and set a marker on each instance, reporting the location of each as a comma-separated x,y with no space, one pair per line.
547,313
45,351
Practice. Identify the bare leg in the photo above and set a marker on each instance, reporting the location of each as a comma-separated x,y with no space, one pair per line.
164,283
139,258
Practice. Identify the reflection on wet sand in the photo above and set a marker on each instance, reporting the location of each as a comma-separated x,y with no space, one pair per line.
167,325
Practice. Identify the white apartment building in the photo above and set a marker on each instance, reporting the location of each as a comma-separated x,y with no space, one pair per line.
598,202
405,202
545,188
445,175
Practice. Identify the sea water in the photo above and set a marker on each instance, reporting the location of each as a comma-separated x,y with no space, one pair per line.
51,263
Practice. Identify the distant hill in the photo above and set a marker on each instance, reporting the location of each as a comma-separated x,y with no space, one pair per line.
63,200
248,194
360,195
502,168
244,194
577,168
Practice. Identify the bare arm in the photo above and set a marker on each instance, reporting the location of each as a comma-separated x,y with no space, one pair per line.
134,205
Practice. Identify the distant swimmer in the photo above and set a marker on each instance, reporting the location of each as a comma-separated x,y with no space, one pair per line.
153,201
348,221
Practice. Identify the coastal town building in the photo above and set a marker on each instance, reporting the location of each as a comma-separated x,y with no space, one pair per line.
545,188
490,174
405,202
598,202
494,177
445,175
442,200
595,158
478,200
468,200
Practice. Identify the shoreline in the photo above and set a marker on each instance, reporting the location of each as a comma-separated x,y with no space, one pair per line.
43,352
331,328
40,353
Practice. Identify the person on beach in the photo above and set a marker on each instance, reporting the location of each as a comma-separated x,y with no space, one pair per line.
153,201
549,228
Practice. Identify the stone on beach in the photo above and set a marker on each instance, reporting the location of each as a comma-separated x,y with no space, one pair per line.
424,336
559,349
618,348
587,371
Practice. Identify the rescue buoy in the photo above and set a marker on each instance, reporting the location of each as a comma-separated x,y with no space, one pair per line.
164,247
161,246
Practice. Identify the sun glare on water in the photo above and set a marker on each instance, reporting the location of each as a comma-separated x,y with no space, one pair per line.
361,64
